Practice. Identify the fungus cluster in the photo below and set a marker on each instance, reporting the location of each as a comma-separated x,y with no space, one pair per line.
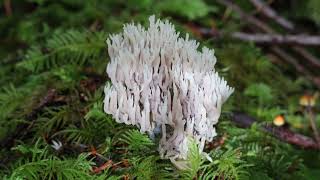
161,81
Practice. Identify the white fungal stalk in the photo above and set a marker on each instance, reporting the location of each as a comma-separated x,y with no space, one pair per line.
160,80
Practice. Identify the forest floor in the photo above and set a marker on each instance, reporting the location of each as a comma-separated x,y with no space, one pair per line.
53,60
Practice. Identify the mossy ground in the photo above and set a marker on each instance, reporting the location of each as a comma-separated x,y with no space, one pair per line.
53,58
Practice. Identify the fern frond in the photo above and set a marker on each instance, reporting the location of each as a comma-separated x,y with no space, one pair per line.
43,165
97,113
77,135
252,149
10,99
135,140
55,118
70,47
38,151
54,168
95,126
194,161
226,164
149,168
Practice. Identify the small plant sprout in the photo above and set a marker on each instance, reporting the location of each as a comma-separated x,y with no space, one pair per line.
161,81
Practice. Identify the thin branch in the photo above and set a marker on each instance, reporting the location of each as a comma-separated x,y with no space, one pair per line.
293,61
275,49
307,55
267,11
281,133
278,39
246,17
313,124
50,96
267,29
7,7
272,14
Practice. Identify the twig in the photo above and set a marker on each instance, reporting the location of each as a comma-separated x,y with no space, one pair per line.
293,61
250,19
307,55
266,10
50,96
105,166
7,7
281,133
278,39
267,29
275,49
313,124
260,37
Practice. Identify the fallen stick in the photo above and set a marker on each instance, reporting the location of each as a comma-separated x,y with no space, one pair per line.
270,13
282,133
267,29
277,50
286,24
7,7
278,39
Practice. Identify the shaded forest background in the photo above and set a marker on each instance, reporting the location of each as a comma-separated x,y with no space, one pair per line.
53,58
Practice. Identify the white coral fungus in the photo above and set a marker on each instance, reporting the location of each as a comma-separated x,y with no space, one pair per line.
161,80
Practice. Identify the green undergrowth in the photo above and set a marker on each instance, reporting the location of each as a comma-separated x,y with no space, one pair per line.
53,58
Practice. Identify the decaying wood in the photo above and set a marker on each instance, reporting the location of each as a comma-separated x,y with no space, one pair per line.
282,133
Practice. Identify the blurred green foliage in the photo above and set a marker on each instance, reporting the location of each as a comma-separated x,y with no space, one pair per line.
60,45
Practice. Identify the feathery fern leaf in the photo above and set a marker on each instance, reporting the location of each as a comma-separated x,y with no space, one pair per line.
70,47
54,168
43,165
148,168
10,100
226,164
194,161
135,140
